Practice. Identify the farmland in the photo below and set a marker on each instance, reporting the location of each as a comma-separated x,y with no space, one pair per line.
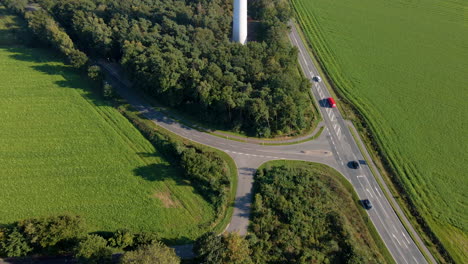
403,65
64,150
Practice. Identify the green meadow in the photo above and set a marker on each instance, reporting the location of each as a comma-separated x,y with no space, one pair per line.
64,150
404,65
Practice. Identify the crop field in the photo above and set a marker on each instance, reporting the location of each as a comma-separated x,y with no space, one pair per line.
65,151
404,64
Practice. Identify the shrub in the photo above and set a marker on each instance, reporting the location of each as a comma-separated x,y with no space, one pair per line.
13,244
93,249
224,249
121,239
107,90
155,253
47,232
95,73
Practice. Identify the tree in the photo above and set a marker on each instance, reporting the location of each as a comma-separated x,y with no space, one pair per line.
107,90
237,250
95,73
121,239
209,248
155,253
94,250
13,244
16,5
223,249
47,232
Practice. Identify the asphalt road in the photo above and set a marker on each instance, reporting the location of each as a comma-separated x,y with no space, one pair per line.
345,149
335,148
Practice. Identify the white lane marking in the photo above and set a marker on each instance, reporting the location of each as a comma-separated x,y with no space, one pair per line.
407,241
377,191
369,192
415,260
332,117
397,239
360,176
334,127
385,230
338,132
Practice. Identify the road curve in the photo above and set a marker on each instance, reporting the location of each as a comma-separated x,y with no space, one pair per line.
335,148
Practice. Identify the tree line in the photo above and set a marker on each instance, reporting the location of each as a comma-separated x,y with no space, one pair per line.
66,235
180,52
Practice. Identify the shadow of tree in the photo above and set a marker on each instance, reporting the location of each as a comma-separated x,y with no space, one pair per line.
159,172
47,62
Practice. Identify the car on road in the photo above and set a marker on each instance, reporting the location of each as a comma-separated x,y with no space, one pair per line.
353,164
331,102
316,79
367,204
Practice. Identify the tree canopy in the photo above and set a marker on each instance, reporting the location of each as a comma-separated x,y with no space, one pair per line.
180,53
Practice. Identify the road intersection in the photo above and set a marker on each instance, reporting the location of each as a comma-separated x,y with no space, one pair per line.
335,148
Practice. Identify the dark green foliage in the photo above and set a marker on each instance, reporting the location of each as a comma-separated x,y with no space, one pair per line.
155,253
145,238
297,219
93,249
107,90
48,30
208,171
95,73
180,52
121,239
45,234
16,5
13,243
223,249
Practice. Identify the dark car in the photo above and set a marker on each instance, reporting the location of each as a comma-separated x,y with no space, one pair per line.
367,204
353,164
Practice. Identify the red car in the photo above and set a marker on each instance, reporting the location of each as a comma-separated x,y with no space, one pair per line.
331,102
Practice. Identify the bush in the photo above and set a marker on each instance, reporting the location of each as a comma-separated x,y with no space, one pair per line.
155,253
121,239
224,249
13,243
93,249
95,73
107,90
45,233
143,239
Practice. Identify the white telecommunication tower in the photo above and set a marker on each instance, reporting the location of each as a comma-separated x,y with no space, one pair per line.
239,31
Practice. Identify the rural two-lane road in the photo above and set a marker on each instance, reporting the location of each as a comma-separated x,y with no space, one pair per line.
335,147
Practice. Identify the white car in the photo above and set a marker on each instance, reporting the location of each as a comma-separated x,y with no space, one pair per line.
317,79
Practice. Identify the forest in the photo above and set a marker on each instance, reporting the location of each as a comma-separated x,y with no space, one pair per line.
302,214
179,52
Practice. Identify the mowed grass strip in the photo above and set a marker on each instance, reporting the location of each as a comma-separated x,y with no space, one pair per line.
63,150
404,65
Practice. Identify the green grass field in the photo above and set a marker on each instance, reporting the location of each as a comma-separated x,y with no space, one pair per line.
404,64
64,150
